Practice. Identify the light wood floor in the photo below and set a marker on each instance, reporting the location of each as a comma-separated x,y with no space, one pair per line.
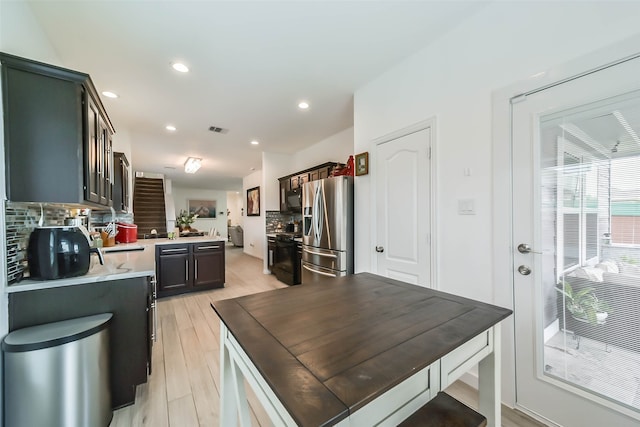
183,388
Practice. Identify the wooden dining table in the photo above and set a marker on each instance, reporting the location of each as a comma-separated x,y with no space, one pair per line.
360,350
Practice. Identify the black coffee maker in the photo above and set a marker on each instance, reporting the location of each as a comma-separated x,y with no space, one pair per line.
59,252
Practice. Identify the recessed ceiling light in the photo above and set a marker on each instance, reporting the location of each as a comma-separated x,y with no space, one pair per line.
303,105
179,66
110,94
254,142
170,128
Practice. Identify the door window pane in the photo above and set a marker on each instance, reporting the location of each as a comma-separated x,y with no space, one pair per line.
590,159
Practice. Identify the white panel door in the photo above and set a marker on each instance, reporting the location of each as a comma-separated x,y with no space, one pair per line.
403,208
572,183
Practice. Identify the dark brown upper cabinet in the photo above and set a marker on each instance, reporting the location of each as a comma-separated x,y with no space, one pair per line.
57,135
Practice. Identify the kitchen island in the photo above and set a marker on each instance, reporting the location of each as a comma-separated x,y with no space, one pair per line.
358,350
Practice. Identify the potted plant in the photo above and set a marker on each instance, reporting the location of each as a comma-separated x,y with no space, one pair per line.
584,305
185,219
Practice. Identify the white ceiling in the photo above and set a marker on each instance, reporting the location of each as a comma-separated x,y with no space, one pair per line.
251,63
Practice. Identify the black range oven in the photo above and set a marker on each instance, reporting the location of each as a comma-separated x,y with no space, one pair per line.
287,259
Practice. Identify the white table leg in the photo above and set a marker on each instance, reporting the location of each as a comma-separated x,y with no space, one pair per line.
241,396
228,401
489,382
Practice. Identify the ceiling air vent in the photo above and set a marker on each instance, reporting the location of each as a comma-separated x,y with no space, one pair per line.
217,129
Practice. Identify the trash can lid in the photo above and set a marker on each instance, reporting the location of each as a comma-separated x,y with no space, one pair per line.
54,334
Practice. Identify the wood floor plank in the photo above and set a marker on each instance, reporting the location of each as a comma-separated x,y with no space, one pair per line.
180,311
205,395
182,412
175,369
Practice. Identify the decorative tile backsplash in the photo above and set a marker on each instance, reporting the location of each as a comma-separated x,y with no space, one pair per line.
276,221
22,218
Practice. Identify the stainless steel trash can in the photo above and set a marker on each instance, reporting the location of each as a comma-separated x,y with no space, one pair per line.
57,374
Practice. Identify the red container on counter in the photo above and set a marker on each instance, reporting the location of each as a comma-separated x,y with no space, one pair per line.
127,233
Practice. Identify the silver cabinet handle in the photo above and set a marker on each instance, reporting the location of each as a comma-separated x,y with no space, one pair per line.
196,270
174,250
208,247
320,254
319,272
186,266
154,334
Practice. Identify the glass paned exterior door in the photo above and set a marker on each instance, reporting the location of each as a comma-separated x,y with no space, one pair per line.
589,192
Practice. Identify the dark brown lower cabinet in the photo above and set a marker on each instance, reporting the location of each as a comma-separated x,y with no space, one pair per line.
189,267
129,333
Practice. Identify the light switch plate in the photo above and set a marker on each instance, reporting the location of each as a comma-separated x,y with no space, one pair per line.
466,207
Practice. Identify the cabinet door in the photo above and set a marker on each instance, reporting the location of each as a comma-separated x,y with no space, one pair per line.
285,187
125,185
208,265
106,193
172,269
120,193
92,192
324,172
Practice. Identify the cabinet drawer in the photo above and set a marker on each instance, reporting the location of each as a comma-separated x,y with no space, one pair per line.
464,357
207,247
172,249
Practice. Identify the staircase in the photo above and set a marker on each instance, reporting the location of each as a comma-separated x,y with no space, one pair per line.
148,205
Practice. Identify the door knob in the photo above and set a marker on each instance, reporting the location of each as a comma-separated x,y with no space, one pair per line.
379,249
524,248
524,270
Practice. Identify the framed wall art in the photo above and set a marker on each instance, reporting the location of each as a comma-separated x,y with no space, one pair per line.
362,163
203,208
253,201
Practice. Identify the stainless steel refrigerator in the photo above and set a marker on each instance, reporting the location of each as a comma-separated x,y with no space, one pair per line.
327,234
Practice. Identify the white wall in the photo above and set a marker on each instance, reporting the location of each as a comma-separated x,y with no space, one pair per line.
337,148
181,197
453,80
254,226
274,166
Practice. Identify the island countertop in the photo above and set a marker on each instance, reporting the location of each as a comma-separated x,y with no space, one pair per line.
122,261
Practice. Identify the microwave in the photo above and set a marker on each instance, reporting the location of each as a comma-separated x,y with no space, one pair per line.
294,200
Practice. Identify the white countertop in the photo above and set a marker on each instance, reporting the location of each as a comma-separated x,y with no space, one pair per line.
119,263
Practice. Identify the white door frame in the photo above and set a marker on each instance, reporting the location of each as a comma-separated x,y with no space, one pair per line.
429,123
502,252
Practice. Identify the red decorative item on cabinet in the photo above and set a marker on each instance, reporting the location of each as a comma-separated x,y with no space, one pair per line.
348,170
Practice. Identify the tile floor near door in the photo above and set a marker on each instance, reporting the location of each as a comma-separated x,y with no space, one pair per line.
183,388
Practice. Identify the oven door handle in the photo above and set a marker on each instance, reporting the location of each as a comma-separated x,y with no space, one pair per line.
320,254
319,272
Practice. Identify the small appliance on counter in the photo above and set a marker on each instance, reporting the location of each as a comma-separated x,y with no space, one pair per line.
59,252
127,233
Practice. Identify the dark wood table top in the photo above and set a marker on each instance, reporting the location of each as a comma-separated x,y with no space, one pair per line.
328,349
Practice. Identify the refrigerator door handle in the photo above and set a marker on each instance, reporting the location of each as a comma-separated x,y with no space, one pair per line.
319,272
320,254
